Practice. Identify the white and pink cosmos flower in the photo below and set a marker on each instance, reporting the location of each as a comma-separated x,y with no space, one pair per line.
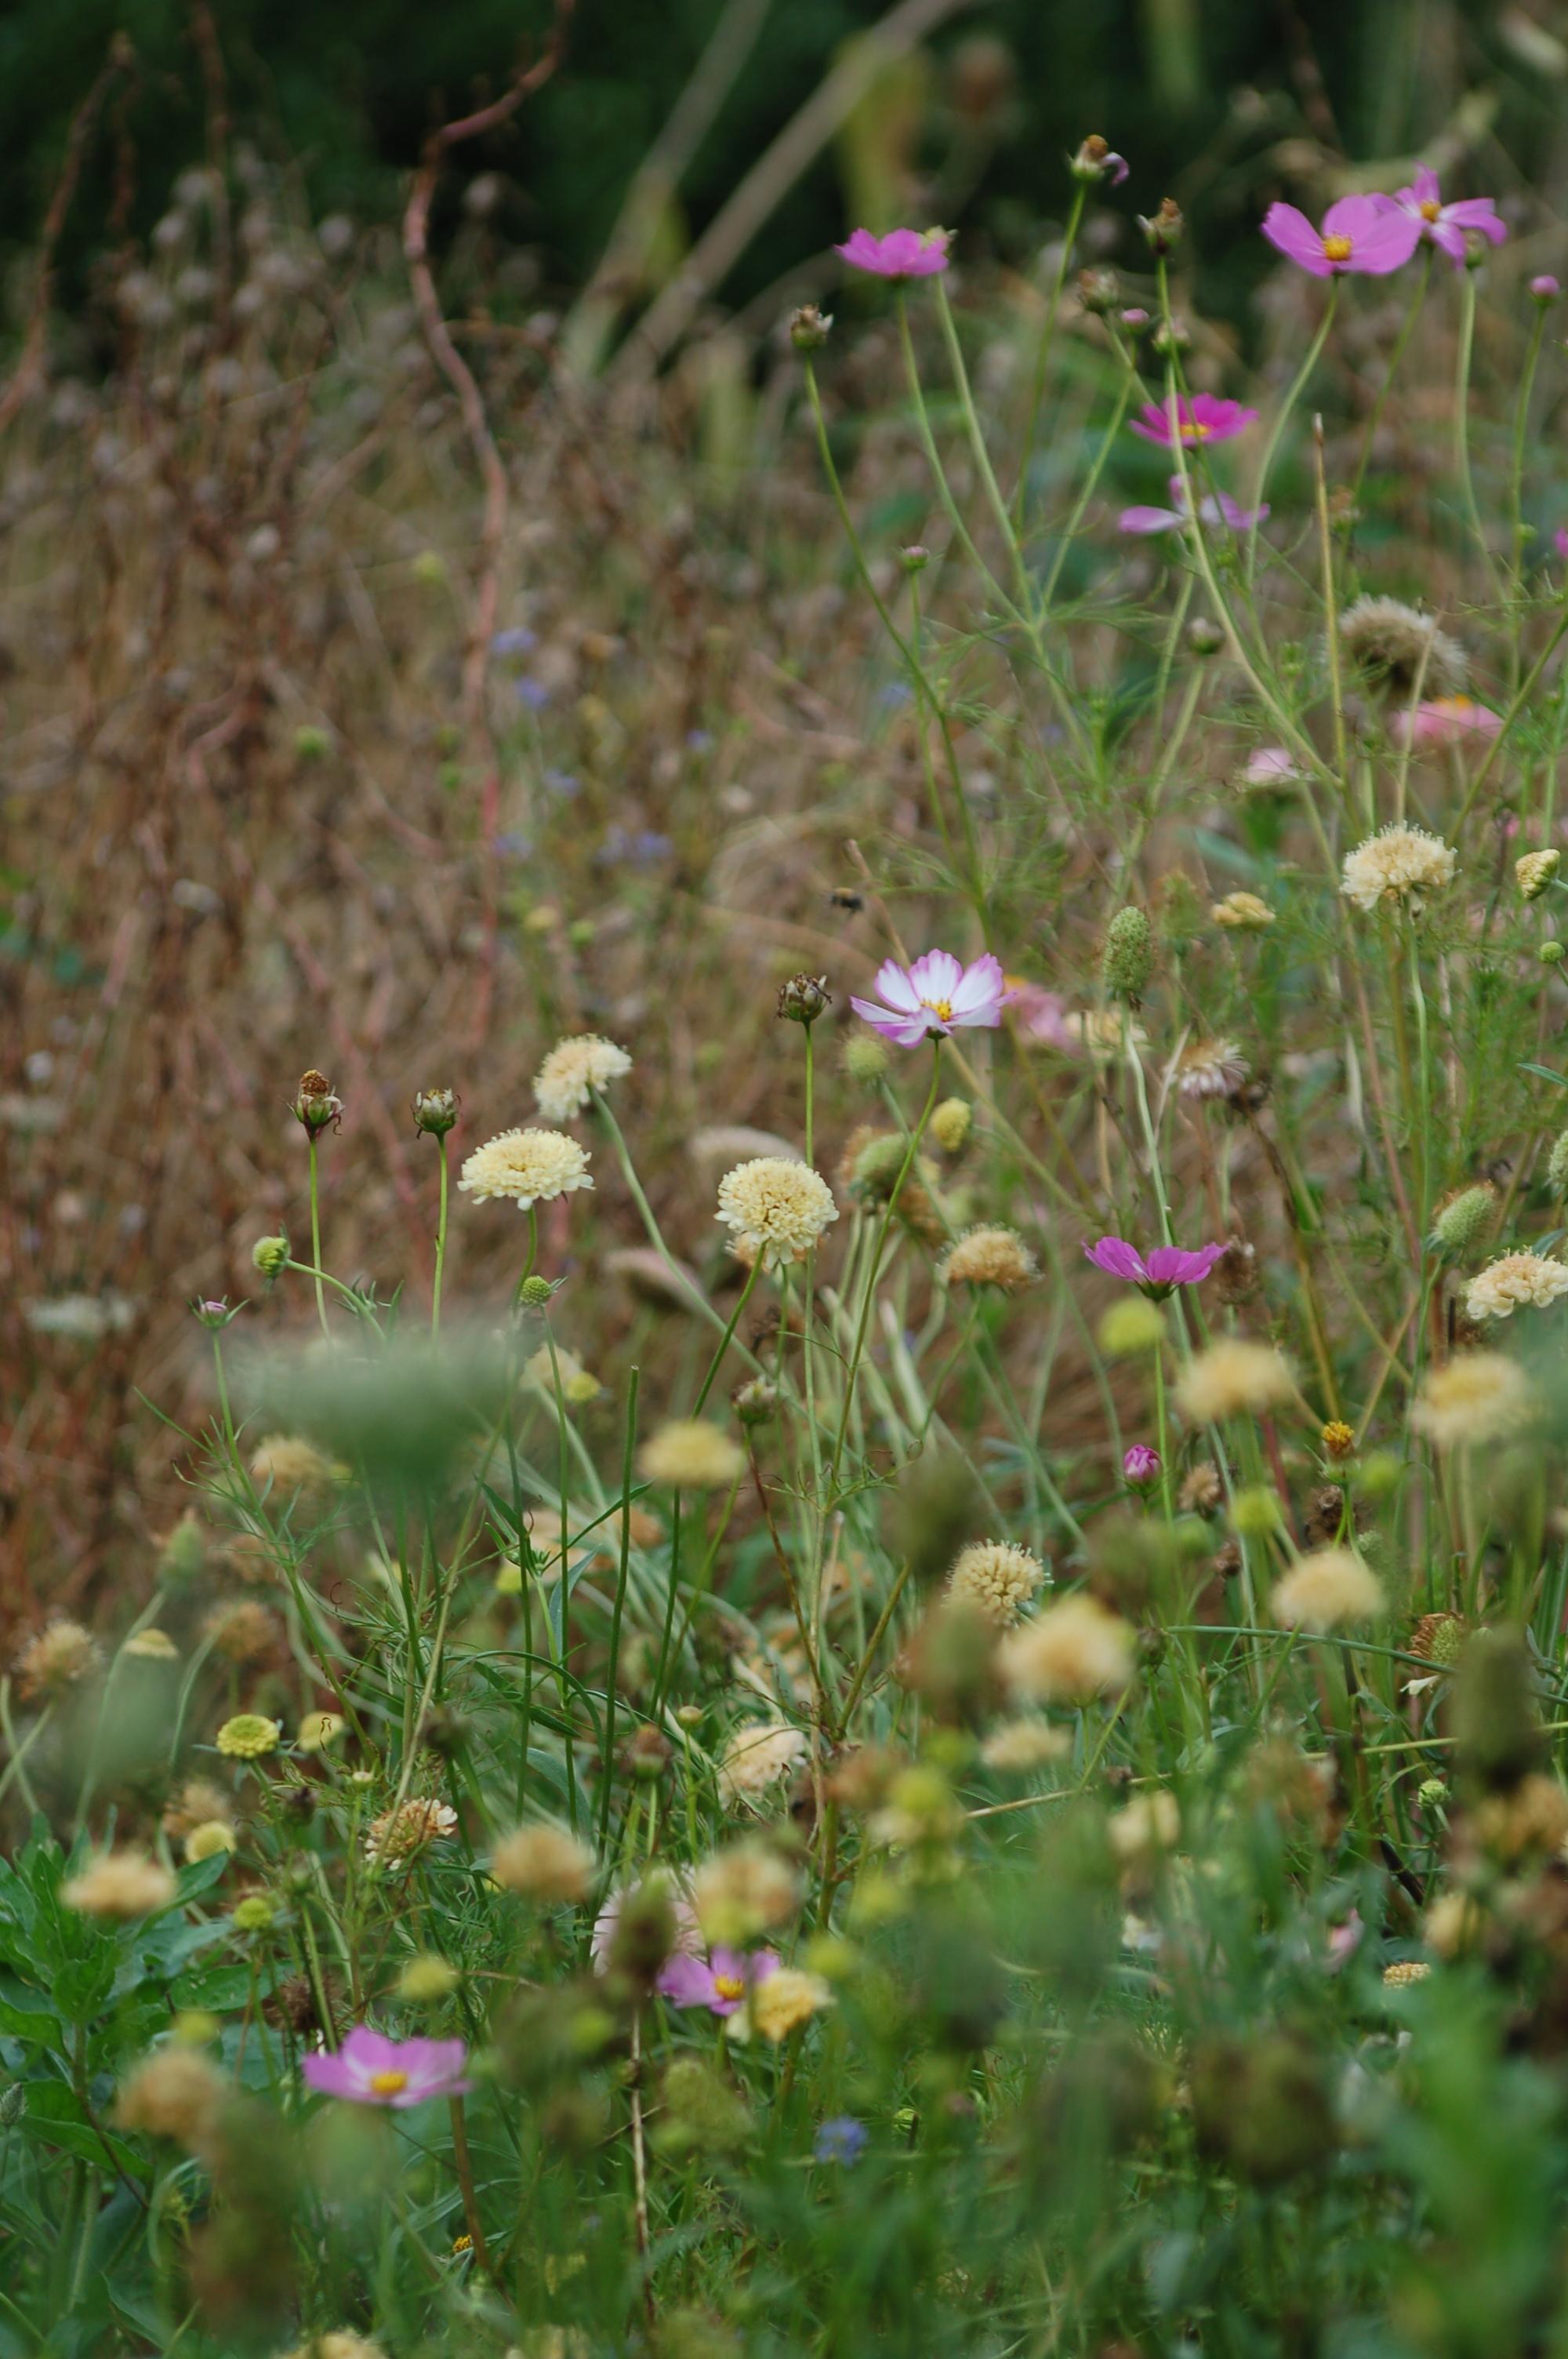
1447,721
369,2069
1213,509
934,996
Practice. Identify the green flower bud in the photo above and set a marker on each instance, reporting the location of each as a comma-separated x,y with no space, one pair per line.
951,1124
1130,1326
270,1256
310,743
1255,1511
534,1293
1551,953
1432,1793
435,1110
1129,959
1461,1224
866,1060
1557,1167
809,328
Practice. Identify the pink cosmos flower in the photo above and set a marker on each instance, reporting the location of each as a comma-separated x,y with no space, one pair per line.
1159,1272
1213,509
1371,235
902,253
1559,540
1200,418
1446,721
719,1983
1445,225
1040,1014
934,996
371,2070
1140,1466
1270,765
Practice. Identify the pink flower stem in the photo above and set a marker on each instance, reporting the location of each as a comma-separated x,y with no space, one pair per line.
873,1266
1395,357
1299,384
1042,351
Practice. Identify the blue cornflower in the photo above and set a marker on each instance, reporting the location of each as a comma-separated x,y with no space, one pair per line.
842,2140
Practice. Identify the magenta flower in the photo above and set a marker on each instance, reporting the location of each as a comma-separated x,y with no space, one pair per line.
1371,235
1200,418
1213,509
371,2070
902,254
934,996
1165,1268
719,1982
1140,1466
1446,225
1545,289
1446,721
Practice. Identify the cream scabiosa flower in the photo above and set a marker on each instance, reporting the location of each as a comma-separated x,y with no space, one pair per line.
758,1755
1233,1379
531,1167
1512,1281
1399,865
573,1070
776,1208
1326,1591
1073,1651
1480,1397
996,1578
989,1256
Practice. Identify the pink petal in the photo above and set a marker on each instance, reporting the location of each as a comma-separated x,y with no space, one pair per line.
1425,188
980,986
1387,243
686,1981
1289,230
1117,1258
897,986
936,975
1147,520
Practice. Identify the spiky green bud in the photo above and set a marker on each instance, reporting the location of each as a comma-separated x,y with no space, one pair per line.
1129,960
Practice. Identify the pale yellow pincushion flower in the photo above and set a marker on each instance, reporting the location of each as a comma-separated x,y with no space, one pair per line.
1326,1591
573,1070
759,1755
1075,1649
989,1255
123,1884
779,2004
1399,865
690,1454
996,1578
543,1863
1233,1379
1513,1281
529,1167
775,1207
1480,1397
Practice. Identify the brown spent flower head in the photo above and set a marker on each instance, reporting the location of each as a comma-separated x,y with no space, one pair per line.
59,1658
241,1633
1323,1522
1439,1639
989,1255
1202,1489
395,1838
285,1462
803,998
1394,645
121,1885
997,1577
809,328
435,1111
544,1863
1165,228
316,1108
1211,1069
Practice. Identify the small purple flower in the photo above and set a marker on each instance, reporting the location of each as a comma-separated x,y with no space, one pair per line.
1200,418
532,692
1449,226
518,641
1161,1272
1213,509
371,2070
719,1981
211,1313
902,253
1135,319
1370,235
562,782
841,2139
1270,765
1545,289
1140,1467
934,996
1559,540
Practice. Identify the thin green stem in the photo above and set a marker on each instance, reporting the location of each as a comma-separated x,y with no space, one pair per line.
316,1237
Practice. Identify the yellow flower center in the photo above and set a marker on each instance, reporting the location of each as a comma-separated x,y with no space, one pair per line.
1431,210
388,2084
1457,705
1336,249
729,1986
1193,431
941,1009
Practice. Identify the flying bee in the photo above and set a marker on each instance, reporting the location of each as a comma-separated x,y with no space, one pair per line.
844,898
